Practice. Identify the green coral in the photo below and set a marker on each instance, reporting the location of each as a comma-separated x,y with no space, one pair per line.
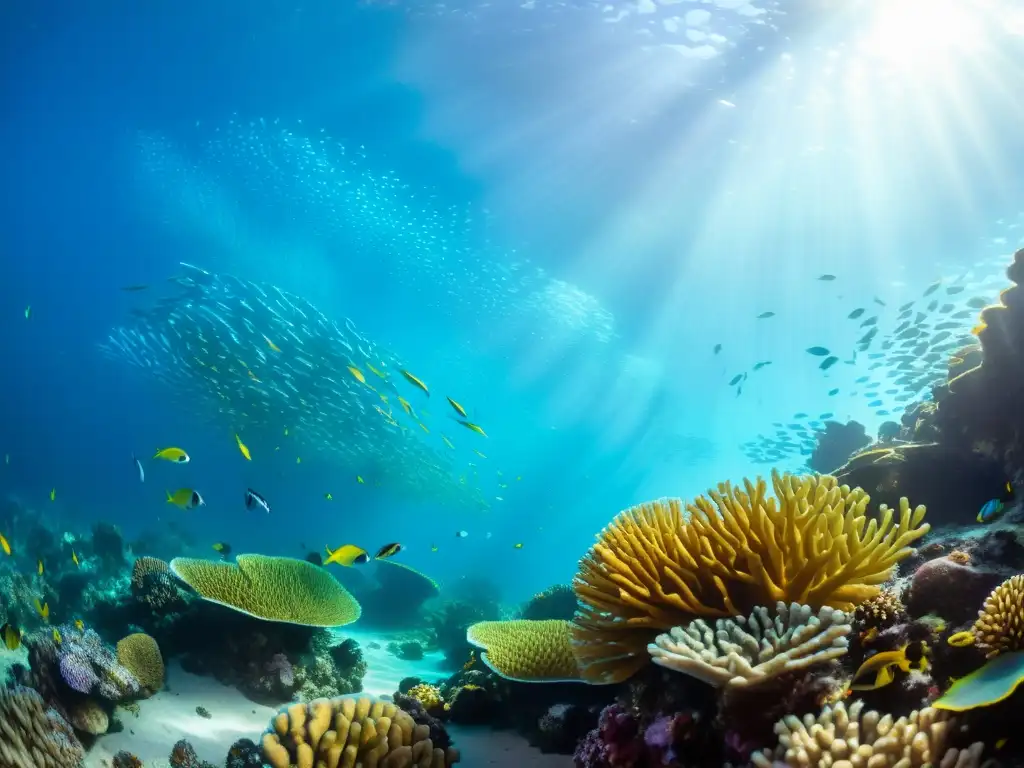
527,651
273,588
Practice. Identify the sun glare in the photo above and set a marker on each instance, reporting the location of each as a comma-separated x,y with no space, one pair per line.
912,33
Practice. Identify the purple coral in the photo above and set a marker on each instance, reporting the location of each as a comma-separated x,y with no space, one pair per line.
78,673
615,743
88,665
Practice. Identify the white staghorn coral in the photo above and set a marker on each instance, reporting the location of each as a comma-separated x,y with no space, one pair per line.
844,738
746,651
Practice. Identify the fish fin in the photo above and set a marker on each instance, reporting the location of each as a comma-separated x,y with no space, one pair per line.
170,499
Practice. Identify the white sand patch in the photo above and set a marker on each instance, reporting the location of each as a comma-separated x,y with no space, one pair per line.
385,670
171,715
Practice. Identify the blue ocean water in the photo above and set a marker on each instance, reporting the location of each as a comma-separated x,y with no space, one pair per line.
551,212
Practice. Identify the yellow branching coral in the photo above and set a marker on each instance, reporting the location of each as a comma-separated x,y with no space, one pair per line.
140,654
273,588
652,568
32,736
845,737
427,695
350,732
1000,624
526,651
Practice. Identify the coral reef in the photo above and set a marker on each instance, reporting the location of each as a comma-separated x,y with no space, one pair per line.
183,755
356,730
557,602
837,443
447,626
401,592
867,739
153,585
748,651
652,569
140,655
526,651
274,588
623,740
1000,624
33,736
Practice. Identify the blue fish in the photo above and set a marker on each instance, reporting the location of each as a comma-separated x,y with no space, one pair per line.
990,510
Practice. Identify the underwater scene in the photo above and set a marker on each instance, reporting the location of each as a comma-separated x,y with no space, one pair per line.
548,383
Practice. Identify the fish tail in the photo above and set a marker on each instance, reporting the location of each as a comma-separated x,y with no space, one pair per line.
170,499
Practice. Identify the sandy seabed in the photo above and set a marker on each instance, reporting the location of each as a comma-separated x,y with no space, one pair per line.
171,715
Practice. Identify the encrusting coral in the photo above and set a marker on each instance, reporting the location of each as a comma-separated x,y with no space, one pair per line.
1000,624
32,736
140,655
881,611
273,588
845,737
743,651
652,569
526,651
350,732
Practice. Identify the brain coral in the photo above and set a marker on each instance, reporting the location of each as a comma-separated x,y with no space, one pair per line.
140,655
351,732
272,588
525,650
652,568
32,736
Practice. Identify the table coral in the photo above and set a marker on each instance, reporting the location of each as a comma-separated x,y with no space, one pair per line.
653,568
272,588
527,651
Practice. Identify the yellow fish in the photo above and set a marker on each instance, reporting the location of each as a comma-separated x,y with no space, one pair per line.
43,609
458,408
176,455
405,405
376,372
359,479
272,345
286,431
39,567
448,442
79,625
4,545
357,374
53,494
298,459
347,555
475,427
884,666
415,381
479,454
185,498
383,397
423,427
329,497
74,559
253,376
517,546
11,636
433,547
56,637
242,447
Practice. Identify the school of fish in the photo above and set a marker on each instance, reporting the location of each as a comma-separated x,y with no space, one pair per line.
256,360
